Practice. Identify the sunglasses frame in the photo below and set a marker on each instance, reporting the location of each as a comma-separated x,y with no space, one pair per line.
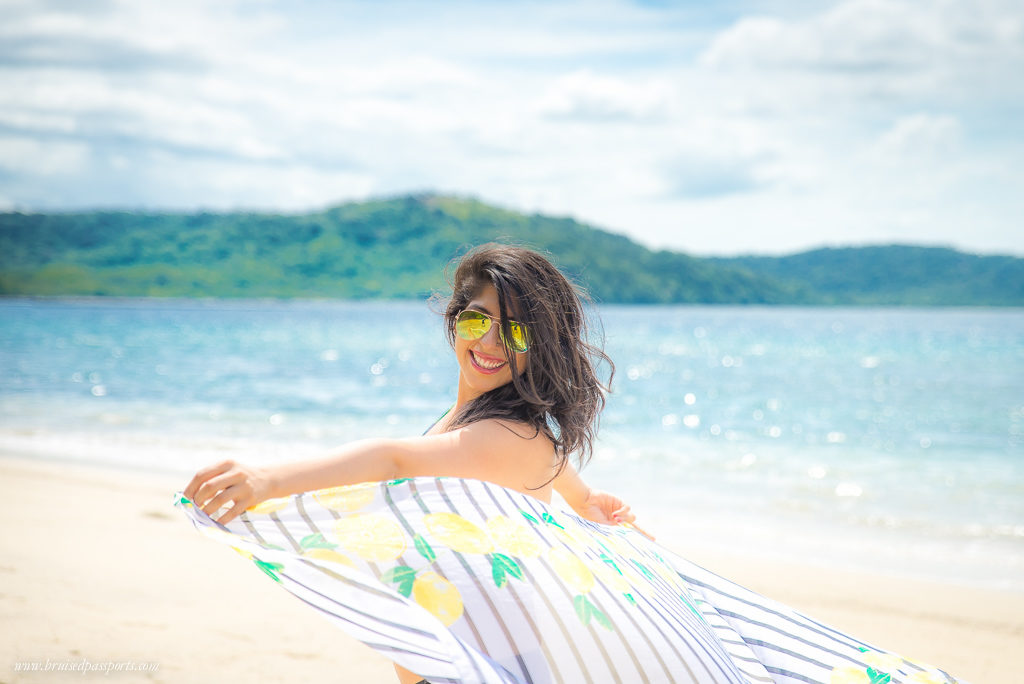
493,320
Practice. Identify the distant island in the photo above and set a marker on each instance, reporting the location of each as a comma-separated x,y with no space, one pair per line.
395,248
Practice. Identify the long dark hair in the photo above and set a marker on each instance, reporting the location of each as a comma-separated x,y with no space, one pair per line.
559,393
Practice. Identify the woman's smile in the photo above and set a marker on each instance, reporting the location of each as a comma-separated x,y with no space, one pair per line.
486,364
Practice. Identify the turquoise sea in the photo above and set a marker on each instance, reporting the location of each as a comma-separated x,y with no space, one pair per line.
890,439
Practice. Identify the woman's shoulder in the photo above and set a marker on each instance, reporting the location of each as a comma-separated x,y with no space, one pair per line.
506,435
508,428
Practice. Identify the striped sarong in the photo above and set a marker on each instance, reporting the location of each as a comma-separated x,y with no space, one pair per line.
464,581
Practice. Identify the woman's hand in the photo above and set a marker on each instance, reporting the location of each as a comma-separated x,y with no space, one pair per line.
232,483
604,508
608,509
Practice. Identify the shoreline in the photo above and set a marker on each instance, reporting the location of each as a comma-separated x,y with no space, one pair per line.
103,569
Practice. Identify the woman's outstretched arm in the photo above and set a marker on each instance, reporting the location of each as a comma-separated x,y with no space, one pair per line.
487,450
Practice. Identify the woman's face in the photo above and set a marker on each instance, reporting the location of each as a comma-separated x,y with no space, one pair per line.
483,363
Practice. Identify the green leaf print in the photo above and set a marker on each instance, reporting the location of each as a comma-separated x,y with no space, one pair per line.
878,677
550,520
582,606
587,611
185,501
316,541
685,599
403,576
498,574
424,548
502,566
398,481
530,518
643,568
270,568
602,619
608,560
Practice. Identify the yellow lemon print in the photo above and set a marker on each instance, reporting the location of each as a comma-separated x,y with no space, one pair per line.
571,569
568,540
270,506
849,674
241,552
926,677
621,547
347,498
438,596
884,662
513,536
610,578
329,555
457,533
370,536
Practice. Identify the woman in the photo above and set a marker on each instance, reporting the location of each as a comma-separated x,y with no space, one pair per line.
453,565
528,398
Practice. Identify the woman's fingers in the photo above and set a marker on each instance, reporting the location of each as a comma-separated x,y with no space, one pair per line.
239,502
225,483
216,485
604,501
622,515
201,476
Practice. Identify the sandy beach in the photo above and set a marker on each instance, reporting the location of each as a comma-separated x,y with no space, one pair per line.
97,567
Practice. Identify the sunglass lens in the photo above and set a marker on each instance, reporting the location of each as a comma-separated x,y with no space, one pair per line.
520,339
471,325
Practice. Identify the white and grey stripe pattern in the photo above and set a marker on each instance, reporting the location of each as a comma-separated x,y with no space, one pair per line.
464,581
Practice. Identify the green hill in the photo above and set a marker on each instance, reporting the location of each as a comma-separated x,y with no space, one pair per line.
896,274
396,248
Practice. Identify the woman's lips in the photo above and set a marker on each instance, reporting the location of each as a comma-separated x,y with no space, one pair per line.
486,364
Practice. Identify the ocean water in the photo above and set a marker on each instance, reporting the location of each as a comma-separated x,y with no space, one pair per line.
891,439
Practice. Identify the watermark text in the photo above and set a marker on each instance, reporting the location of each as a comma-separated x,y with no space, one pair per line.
84,665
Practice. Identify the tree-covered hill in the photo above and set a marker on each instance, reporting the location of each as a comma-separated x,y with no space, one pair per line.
397,248
896,274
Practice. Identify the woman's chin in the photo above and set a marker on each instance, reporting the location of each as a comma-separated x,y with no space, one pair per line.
485,382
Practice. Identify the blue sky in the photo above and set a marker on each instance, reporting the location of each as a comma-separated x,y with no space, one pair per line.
713,128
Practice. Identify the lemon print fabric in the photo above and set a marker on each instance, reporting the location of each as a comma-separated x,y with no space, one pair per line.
438,596
462,581
346,498
458,533
370,536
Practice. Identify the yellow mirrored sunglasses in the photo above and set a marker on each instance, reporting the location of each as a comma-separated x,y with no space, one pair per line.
472,325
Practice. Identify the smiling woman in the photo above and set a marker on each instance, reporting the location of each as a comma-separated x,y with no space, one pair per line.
528,398
442,552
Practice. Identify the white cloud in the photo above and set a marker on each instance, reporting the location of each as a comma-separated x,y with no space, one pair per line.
680,126
920,135
48,160
584,95
869,36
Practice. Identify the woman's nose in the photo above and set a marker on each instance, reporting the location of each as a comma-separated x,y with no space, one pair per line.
492,337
